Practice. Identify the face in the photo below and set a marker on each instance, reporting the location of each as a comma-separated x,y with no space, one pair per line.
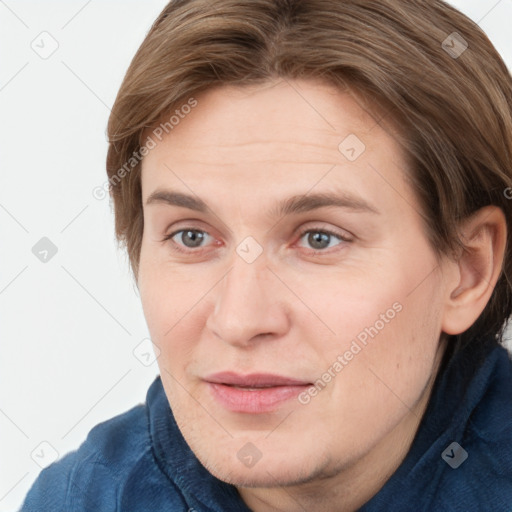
286,278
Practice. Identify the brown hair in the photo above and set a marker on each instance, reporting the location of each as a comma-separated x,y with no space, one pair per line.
453,107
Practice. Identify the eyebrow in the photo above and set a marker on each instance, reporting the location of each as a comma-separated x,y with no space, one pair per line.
293,205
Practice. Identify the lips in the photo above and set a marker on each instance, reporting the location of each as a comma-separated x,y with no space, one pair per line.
255,393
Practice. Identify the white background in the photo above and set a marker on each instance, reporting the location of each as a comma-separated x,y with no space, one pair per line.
69,326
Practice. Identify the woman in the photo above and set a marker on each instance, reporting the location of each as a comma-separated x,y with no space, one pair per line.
314,198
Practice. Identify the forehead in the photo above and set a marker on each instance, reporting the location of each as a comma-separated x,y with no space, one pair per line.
307,114
282,133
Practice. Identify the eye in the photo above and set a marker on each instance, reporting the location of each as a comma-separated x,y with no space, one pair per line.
319,240
189,238
314,239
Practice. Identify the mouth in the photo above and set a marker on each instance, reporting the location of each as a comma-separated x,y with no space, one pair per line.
254,393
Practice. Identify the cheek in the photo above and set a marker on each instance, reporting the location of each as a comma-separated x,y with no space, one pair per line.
166,292
173,301
394,368
168,309
387,334
349,307
164,299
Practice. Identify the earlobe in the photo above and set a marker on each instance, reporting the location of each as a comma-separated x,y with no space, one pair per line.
478,268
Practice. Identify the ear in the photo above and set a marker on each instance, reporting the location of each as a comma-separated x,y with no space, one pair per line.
476,268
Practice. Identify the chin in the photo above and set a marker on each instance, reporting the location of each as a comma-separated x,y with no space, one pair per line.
268,474
275,468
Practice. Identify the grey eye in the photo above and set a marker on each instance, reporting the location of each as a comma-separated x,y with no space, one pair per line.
318,240
191,237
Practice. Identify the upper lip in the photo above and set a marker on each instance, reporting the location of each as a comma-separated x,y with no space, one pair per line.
260,380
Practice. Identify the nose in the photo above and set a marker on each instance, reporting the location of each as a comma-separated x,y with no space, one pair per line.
249,305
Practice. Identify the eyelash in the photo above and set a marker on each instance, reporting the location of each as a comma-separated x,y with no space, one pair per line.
303,232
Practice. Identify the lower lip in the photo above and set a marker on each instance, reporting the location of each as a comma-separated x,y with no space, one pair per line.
254,400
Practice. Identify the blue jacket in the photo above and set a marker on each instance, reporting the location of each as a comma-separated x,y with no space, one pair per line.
139,462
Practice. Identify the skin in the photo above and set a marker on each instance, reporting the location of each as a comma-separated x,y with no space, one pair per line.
295,309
